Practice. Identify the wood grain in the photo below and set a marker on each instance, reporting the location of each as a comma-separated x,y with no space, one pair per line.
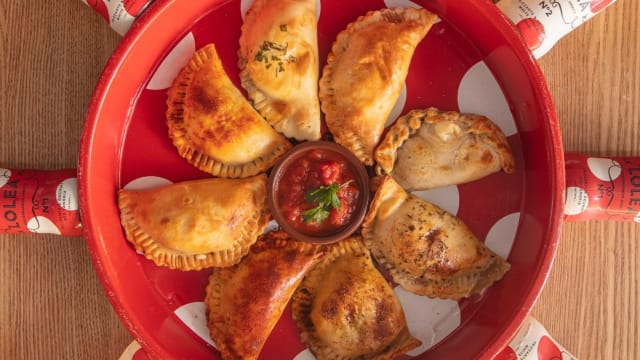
51,302
590,303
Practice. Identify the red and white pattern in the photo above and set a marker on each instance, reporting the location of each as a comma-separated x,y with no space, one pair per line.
533,342
490,206
43,202
543,23
602,188
120,14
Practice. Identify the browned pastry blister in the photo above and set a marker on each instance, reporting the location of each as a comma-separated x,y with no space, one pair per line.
196,224
278,60
213,126
244,302
427,250
430,148
365,73
346,309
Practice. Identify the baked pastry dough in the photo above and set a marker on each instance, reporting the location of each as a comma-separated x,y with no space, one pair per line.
244,302
278,61
345,309
429,148
365,72
196,224
427,250
213,126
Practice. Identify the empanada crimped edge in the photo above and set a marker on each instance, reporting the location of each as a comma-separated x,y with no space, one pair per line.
175,259
291,259
302,303
326,90
175,115
303,123
408,124
463,283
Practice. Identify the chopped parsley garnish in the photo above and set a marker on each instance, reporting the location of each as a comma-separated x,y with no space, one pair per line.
272,53
325,197
316,215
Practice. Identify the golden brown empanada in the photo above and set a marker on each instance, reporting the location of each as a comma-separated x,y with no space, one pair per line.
428,148
427,250
365,73
213,126
244,302
278,61
345,309
196,224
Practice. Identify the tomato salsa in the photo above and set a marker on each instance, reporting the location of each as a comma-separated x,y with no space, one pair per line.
318,193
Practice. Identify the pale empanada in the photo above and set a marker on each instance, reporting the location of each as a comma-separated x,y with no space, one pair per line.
213,126
196,224
365,72
427,250
345,309
278,61
244,302
430,148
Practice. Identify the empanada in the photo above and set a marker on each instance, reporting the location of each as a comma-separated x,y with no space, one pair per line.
365,72
196,224
214,127
429,148
345,309
278,61
244,302
427,250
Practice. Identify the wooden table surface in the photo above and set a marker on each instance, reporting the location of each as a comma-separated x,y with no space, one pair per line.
52,305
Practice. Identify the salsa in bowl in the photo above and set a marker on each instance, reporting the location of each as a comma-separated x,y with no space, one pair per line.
319,192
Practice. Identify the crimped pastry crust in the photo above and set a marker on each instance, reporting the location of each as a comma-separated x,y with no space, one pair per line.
431,148
245,301
284,89
214,127
365,72
345,309
196,224
427,250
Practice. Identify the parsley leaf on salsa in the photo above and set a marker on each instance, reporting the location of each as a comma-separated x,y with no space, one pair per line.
317,215
325,198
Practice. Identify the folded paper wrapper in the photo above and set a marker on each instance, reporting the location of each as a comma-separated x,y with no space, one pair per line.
533,342
38,201
543,23
119,14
